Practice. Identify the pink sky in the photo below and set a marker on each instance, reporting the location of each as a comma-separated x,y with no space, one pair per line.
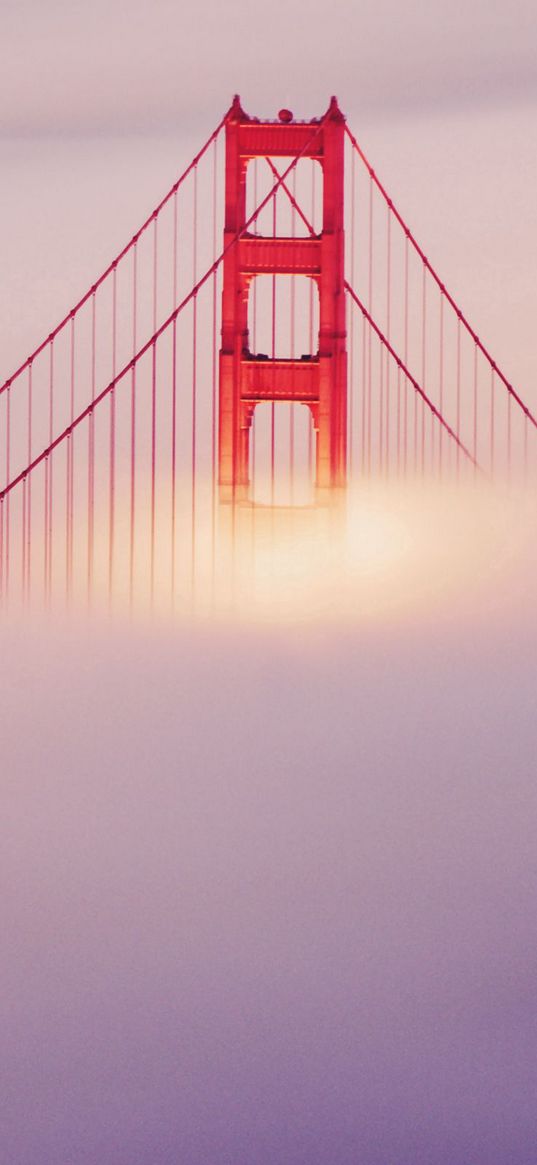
119,66
102,107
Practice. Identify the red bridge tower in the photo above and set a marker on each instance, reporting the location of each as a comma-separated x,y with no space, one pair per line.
319,383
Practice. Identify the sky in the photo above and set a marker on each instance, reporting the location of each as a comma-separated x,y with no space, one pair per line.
102,106
70,67
269,879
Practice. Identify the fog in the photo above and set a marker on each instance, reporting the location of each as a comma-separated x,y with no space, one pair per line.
269,877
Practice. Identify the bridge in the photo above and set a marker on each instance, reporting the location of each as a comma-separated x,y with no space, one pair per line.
272,335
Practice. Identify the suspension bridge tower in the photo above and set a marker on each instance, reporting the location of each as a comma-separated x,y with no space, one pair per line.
320,381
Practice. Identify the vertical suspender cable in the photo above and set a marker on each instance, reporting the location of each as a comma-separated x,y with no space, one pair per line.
23,540
381,408
509,436
213,374
72,458
45,516
492,434
363,393
475,408
370,309
351,314
29,488
398,422
388,333
112,478
50,514
174,402
194,375
153,408
423,363
153,466
70,472
133,421
24,522
381,411
415,420
441,383
458,392
7,502
405,348
91,453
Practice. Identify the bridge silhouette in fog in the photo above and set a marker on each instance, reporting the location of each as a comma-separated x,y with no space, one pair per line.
272,334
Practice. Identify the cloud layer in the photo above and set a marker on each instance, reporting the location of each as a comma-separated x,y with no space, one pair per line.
113,66
268,897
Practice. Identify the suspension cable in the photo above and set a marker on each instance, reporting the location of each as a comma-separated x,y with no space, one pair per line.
132,363
432,272
418,388
122,254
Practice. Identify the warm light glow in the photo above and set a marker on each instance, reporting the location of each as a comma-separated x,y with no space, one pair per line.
387,553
